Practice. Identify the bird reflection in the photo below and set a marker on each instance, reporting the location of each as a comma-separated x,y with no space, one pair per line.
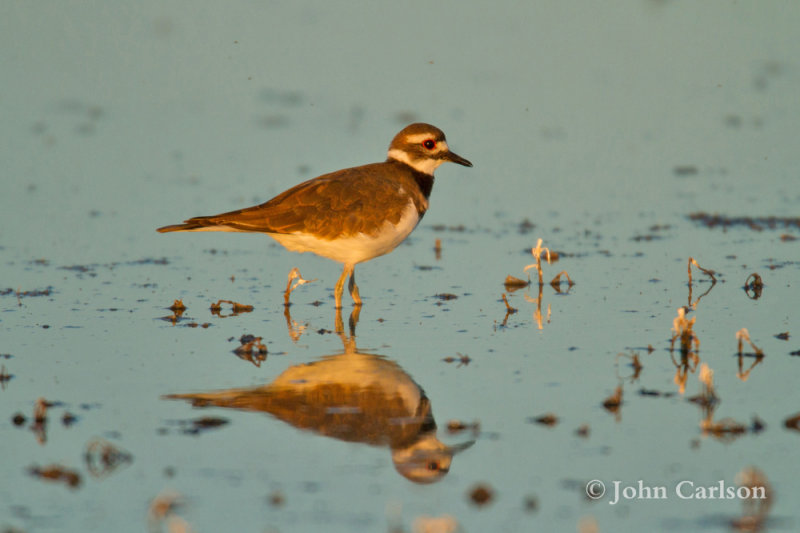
354,397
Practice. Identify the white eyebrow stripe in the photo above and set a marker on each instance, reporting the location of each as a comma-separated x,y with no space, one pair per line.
419,137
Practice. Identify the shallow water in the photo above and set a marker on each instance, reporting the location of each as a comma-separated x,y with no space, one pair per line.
599,130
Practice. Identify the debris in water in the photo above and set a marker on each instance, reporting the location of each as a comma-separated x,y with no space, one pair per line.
753,286
236,308
457,426
481,494
512,284
613,402
276,498
68,419
4,376
57,473
463,360
793,422
252,349
685,170
102,457
754,223
548,419
530,504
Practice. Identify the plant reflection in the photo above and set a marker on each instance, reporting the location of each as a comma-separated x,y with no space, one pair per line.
755,511
297,329
635,364
683,331
103,458
355,397
726,429
39,426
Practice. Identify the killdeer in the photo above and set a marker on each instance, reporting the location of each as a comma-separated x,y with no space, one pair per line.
353,397
351,215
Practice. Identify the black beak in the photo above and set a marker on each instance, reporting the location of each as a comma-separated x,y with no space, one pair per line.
455,158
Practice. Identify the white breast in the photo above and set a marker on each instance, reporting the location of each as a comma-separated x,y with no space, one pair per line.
357,248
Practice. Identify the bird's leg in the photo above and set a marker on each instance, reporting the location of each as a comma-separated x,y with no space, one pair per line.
354,288
337,292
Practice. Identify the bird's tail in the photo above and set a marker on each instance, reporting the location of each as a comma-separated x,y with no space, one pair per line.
178,227
196,224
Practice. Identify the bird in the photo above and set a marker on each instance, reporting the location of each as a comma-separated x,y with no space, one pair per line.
351,396
350,215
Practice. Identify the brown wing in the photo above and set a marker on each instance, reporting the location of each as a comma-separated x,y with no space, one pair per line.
340,410
346,202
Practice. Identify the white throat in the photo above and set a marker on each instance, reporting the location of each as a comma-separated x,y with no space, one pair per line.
426,166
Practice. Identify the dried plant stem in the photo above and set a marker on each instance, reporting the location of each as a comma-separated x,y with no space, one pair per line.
294,274
537,254
743,335
705,271
556,281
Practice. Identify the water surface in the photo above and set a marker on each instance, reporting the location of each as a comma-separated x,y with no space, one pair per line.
599,129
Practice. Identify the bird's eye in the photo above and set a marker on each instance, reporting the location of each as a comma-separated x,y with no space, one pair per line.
429,144
433,466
